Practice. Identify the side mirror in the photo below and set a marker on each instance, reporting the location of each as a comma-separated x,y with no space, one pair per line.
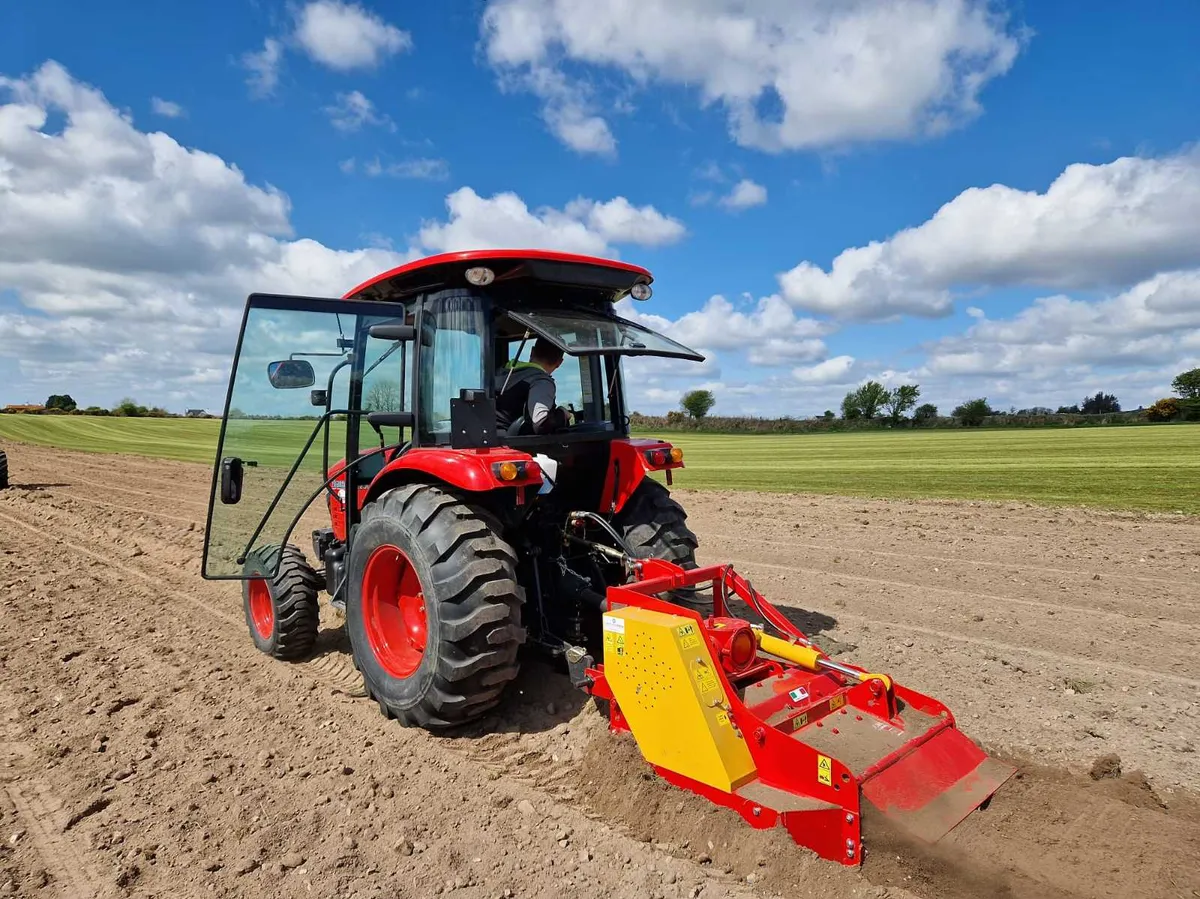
318,398
291,373
388,331
231,480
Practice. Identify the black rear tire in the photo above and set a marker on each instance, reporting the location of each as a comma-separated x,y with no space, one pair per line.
655,527
3,471
289,631
470,602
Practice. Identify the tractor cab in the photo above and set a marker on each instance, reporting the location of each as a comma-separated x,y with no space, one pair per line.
401,376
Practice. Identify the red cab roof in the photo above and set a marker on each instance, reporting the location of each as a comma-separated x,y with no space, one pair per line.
550,265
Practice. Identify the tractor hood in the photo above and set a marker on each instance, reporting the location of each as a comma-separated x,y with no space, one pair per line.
590,332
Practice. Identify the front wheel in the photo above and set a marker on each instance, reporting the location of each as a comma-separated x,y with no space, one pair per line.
433,607
282,612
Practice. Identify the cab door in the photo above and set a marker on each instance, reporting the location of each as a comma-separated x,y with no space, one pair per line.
294,406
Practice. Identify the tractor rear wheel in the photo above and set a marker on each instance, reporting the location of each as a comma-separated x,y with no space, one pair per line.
655,527
3,470
433,608
282,612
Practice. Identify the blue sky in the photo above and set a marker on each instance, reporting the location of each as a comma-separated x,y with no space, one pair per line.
998,200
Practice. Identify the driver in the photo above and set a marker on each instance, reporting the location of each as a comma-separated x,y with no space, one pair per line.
527,389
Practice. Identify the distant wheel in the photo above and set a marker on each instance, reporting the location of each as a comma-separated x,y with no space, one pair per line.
3,471
433,607
282,612
655,527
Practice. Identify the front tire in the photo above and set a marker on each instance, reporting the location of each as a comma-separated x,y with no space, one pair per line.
433,607
282,612
655,527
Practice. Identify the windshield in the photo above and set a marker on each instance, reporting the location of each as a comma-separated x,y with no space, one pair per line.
583,332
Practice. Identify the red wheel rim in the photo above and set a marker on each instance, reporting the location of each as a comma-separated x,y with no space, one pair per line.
394,611
262,608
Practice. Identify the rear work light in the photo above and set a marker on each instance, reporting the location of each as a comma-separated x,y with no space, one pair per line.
641,291
480,276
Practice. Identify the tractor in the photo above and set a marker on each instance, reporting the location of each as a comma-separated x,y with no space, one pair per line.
459,541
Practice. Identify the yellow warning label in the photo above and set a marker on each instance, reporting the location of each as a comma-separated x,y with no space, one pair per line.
837,702
686,630
824,770
706,679
691,641
800,721
722,718
620,644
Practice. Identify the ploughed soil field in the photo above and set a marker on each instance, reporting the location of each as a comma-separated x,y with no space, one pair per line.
148,749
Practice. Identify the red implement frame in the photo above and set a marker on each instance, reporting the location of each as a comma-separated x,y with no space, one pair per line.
821,740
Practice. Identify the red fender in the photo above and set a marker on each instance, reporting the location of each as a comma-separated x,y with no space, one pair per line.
471,470
629,461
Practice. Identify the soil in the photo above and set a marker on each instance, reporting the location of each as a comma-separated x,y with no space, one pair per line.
147,749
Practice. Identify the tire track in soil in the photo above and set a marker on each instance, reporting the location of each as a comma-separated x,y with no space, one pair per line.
334,667
41,810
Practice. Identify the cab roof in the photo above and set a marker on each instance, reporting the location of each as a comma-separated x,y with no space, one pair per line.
606,278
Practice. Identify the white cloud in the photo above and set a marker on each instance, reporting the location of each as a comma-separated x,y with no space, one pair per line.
832,371
345,36
567,110
838,72
619,221
769,334
423,169
584,226
353,110
166,108
263,66
130,255
1095,226
745,194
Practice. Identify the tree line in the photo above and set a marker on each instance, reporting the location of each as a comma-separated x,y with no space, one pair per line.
874,405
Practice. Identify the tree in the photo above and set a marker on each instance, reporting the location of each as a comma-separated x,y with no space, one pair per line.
866,401
697,402
829,415
383,396
1068,410
61,401
901,400
1187,384
1164,410
926,414
129,408
1100,404
973,412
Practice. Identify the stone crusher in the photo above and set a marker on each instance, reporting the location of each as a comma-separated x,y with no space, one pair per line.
772,728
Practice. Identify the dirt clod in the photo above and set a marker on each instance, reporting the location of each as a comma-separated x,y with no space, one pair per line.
1106,766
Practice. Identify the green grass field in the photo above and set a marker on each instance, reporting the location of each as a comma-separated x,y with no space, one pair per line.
1143,468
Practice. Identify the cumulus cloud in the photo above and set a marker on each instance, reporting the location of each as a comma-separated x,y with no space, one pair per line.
1094,226
353,110
836,72
126,257
744,195
583,226
166,108
832,371
263,66
345,36
769,333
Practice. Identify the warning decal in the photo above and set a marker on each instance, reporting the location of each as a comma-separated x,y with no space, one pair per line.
800,721
824,770
722,718
688,638
837,702
706,679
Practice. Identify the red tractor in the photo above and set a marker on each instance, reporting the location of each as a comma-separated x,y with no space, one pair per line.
460,546
455,542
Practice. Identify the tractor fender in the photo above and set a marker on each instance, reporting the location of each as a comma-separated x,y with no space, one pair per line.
471,470
628,465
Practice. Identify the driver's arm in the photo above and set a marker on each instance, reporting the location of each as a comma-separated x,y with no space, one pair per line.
545,416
